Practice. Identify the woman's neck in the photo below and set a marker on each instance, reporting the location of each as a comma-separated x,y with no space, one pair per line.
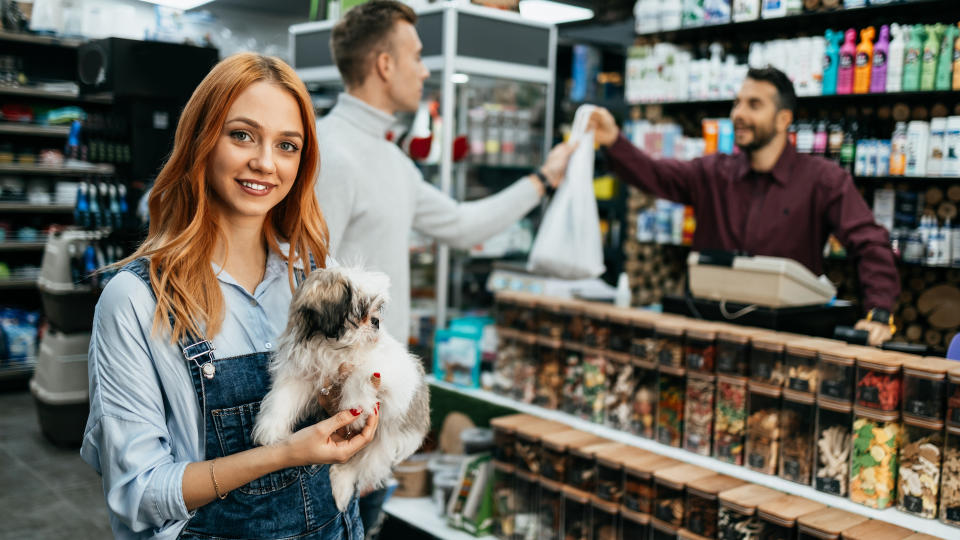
242,252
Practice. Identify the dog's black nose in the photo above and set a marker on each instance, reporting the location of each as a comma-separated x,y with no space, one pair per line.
375,322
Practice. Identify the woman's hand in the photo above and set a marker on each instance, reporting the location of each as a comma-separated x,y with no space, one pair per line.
321,442
555,166
605,130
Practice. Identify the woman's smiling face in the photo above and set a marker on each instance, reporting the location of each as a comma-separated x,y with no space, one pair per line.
257,156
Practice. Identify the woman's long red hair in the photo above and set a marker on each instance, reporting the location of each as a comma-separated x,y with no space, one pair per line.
183,228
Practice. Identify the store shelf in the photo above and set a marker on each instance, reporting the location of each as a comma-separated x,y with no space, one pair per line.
917,11
92,168
42,208
18,370
23,37
906,179
421,512
890,515
17,284
31,92
899,262
12,128
22,246
844,99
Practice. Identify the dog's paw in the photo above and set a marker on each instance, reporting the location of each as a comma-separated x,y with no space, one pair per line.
266,433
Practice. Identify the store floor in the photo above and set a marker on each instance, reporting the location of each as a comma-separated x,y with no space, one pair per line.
45,492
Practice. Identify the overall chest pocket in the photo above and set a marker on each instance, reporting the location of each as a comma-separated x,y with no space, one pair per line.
234,427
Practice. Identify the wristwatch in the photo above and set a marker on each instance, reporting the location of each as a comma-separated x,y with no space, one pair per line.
881,315
548,189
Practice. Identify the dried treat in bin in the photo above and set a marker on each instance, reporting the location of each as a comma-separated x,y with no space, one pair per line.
596,330
527,447
551,510
621,329
828,523
733,350
878,380
702,503
669,348
644,399
797,423
582,471
638,492
552,319
505,436
619,395
670,407
549,387
801,362
953,397
605,520
834,419
556,456
925,387
950,488
644,342
730,419
766,358
700,347
778,518
594,385
738,511
573,397
504,500
873,464
576,512
837,372
610,463
763,428
918,483
698,414
509,351
669,497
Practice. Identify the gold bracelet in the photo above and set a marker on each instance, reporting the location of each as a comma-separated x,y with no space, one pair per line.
216,487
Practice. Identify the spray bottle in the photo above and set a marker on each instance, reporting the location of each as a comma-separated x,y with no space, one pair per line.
878,77
945,61
895,57
931,52
912,59
847,54
831,62
864,61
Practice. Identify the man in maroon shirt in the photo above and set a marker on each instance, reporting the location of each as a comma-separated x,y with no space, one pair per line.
769,200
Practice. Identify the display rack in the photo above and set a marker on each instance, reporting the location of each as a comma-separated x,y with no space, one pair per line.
480,45
890,515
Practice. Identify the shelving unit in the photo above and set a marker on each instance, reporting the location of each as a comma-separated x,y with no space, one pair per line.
22,37
60,170
30,92
22,246
833,99
890,515
11,128
43,208
17,284
420,512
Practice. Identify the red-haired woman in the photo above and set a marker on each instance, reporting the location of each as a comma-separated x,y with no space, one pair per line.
181,336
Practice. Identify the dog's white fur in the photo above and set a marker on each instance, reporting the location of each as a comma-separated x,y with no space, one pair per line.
308,358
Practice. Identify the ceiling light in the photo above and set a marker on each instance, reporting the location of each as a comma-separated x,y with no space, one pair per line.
460,78
179,4
551,12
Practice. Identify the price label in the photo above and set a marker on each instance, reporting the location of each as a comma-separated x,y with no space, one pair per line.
695,361
800,385
792,470
953,514
913,504
919,407
868,394
829,485
757,461
835,389
762,370
640,350
726,363
695,524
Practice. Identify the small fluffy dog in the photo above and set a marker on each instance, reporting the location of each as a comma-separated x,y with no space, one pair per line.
334,328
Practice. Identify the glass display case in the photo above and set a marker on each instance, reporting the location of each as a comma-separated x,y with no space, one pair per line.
490,117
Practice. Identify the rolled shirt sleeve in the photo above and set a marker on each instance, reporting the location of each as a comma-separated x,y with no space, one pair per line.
127,439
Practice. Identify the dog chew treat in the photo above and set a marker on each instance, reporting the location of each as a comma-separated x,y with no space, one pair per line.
918,483
873,469
834,419
730,419
763,428
703,506
737,519
778,518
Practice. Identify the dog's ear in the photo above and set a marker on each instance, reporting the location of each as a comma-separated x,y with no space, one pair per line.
330,318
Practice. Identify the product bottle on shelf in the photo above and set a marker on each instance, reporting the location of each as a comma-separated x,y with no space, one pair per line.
931,55
848,151
956,62
878,76
805,137
835,139
820,138
746,10
898,150
938,133
774,8
946,59
895,58
831,62
918,141
864,61
848,52
912,60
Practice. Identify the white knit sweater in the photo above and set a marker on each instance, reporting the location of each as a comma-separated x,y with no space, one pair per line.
372,196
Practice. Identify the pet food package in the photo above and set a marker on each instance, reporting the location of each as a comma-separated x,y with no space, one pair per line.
921,457
834,419
702,506
471,506
569,243
458,350
873,463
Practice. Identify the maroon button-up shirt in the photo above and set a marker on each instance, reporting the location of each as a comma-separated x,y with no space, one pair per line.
788,212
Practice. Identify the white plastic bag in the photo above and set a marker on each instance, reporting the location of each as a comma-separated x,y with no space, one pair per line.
568,244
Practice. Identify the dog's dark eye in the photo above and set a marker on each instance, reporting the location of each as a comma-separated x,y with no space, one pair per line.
375,322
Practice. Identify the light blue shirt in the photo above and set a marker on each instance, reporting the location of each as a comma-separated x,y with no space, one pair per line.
145,423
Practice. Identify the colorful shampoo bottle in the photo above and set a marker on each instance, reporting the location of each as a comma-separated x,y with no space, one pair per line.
848,53
864,61
878,75
946,60
931,55
912,59
831,62
898,43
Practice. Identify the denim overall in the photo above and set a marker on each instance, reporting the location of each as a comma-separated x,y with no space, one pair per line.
290,503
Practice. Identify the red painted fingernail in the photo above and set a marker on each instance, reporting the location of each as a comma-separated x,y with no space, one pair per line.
377,375
356,412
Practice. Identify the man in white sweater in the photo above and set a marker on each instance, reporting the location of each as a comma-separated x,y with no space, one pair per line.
371,193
